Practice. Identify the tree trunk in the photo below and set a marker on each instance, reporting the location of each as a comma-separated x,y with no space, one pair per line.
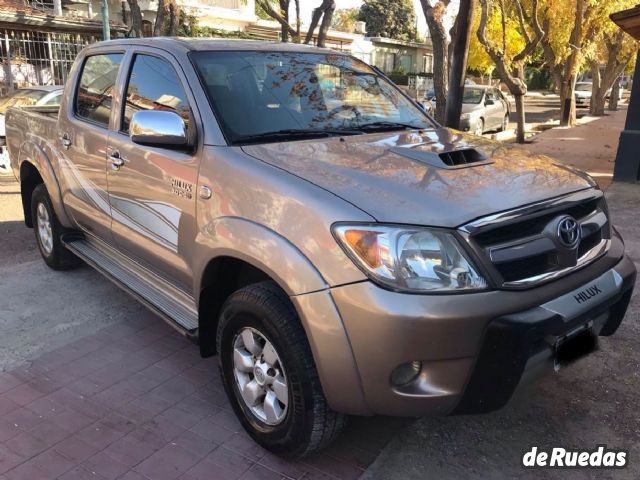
568,99
568,113
136,18
440,43
520,118
174,18
459,56
284,32
615,96
326,24
158,26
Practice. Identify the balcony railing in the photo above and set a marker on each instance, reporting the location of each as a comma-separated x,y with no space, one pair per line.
231,4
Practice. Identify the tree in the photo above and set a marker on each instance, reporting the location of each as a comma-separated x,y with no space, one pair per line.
511,66
435,12
278,10
389,18
617,49
344,19
322,15
136,19
167,19
460,51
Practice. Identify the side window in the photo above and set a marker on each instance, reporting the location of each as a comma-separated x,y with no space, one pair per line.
153,85
94,95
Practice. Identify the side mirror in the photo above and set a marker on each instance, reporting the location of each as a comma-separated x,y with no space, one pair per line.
488,101
158,128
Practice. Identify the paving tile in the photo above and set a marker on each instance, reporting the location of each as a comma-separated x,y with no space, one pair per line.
80,403
134,447
211,430
99,435
23,394
288,468
74,449
8,429
334,467
208,470
8,381
72,421
45,407
27,471
24,418
52,463
243,444
163,427
195,443
9,459
27,445
168,463
258,472
143,408
80,473
105,466
7,404
230,460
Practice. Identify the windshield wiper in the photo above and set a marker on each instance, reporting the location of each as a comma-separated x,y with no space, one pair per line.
294,133
383,126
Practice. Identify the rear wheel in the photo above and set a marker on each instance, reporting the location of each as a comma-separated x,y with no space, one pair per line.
269,373
49,232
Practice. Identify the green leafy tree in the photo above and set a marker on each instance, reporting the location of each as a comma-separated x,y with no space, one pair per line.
345,19
389,18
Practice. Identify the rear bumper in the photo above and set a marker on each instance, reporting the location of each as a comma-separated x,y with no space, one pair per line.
474,348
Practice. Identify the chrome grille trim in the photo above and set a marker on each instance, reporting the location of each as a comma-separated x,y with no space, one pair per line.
508,257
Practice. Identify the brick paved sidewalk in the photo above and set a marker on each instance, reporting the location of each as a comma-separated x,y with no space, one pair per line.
135,401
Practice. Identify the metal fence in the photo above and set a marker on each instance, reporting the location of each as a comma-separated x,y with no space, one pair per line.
31,58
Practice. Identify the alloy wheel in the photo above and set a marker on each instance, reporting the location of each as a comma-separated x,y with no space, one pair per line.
260,376
45,233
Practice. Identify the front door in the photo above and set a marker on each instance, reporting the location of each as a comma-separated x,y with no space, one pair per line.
152,192
82,142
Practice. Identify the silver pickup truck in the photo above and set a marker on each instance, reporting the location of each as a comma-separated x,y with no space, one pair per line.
294,212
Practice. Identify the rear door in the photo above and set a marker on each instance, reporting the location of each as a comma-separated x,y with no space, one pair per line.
81,137
152,195
494,113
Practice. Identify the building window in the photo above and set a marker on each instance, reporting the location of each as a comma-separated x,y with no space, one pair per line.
427,63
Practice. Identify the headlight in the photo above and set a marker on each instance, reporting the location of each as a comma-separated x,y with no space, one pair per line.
465,116
410,259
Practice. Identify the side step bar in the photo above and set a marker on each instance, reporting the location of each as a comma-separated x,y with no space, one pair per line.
173,305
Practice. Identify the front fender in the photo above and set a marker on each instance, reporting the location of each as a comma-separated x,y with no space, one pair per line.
261,247
296,275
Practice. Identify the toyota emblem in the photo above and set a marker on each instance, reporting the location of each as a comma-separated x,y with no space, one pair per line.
569,232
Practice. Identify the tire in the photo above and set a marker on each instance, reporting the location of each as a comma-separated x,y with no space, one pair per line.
479,130
49,232
262,313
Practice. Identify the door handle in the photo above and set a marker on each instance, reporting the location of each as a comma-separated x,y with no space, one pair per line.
66,141
116,160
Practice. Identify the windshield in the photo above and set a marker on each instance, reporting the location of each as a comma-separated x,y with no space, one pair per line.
21,98
583,87
472,95
257,94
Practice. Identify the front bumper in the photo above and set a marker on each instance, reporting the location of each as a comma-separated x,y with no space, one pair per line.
474,348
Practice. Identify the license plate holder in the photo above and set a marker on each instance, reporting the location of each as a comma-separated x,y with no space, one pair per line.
574,345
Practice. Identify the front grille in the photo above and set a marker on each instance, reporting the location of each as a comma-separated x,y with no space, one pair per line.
534,224
523,247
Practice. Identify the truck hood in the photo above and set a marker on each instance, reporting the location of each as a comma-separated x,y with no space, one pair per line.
368,171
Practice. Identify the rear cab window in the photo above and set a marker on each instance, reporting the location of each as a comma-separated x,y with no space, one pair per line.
96,88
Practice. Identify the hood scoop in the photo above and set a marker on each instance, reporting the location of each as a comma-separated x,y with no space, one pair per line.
449,160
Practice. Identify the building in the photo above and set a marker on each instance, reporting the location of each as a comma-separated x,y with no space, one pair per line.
627,166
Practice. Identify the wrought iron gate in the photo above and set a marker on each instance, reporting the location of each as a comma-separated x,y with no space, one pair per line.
37,58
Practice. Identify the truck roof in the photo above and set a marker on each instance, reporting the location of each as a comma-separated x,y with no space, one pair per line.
222,44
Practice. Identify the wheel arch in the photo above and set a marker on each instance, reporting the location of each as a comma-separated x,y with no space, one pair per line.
35,168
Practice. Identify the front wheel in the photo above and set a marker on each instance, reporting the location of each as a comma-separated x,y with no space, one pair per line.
269,373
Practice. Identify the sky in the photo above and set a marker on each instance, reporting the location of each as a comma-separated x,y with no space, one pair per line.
307,6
